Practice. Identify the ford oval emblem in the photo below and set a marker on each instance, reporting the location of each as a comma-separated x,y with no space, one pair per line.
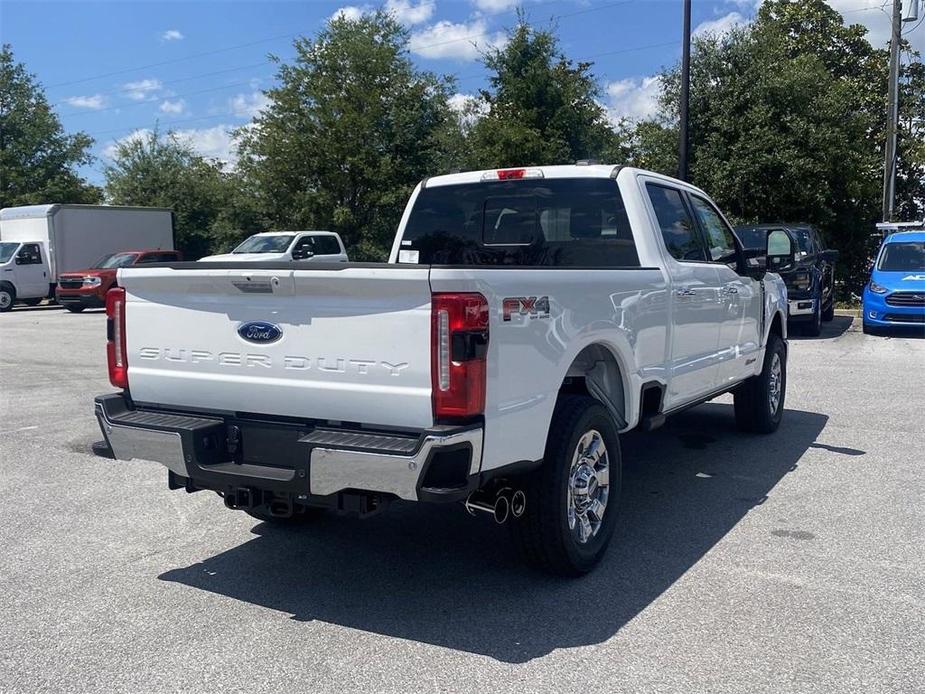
260,332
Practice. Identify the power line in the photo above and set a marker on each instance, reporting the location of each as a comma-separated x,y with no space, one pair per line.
170,62
149,101
122,89
292,35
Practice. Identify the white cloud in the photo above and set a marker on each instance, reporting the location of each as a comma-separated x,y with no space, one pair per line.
635,98
109,151
172,35
720,25
456,41
406,12
876,18
350,12
142,89
248,105
495,6
94,103
178,106
216,142
469,107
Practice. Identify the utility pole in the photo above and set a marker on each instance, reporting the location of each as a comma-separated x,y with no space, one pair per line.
685,91
892,115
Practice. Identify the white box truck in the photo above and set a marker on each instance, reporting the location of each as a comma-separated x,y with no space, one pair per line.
39,242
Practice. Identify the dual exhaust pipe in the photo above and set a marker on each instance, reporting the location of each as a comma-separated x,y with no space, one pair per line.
503,504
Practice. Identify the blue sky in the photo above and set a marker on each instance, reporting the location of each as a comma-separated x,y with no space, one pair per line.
116,68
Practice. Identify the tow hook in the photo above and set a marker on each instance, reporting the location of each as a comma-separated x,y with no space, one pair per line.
501,504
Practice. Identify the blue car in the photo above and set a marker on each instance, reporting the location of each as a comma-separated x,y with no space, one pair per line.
895,295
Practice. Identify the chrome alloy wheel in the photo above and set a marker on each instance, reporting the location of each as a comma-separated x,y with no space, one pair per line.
775,383
588,486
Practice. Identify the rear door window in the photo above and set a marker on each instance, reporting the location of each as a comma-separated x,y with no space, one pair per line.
546,223
326,245
674,220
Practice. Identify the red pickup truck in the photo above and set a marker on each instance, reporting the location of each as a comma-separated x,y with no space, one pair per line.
87,288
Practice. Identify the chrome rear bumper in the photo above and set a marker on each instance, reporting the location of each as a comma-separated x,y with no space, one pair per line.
303,459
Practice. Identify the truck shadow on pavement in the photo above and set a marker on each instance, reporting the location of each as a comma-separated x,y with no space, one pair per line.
837,327
435,575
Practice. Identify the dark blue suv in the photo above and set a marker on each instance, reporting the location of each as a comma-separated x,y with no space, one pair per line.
895,295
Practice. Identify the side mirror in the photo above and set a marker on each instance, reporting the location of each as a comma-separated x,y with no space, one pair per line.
830,256
754,262
20,260
302,253
780,250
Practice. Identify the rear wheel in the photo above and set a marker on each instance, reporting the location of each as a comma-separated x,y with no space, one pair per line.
74,308
572,500
7,297
759,402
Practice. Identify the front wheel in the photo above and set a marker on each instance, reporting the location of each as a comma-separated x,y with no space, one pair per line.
814,327
74,308
7,297
572,500
759,401
828,314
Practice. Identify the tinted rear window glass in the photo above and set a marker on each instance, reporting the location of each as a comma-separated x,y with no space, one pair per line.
556,223
326,245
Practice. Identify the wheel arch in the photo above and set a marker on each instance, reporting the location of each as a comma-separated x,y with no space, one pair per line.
597,370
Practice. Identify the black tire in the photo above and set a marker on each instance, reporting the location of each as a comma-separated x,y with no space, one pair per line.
814,327
299,516
753,408
7,297
32,302
543,533
869,329
828,313
74,308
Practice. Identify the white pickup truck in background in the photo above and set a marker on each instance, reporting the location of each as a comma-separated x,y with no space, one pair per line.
525,319
314,246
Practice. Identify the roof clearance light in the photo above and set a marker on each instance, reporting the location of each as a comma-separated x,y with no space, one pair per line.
511,174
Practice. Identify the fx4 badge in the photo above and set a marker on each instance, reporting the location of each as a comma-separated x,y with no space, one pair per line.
532,306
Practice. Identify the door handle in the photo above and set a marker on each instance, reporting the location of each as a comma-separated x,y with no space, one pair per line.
685,291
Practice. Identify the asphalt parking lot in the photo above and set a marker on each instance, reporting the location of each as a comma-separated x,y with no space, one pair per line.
794,562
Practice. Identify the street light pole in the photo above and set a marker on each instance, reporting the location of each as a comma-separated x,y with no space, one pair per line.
892,116
685,91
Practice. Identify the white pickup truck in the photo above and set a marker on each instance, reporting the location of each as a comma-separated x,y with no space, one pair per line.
525,319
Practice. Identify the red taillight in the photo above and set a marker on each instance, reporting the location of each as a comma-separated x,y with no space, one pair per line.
115,337
459,344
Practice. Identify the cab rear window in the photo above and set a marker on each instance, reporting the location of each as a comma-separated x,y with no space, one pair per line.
546,223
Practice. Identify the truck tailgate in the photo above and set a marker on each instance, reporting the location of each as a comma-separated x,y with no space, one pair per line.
354,343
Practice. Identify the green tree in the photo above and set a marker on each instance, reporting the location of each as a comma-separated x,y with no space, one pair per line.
910,144
540,107
165,171
350,129
37,158
786,123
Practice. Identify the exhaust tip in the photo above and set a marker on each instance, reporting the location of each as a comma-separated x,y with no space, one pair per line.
502,509
518,504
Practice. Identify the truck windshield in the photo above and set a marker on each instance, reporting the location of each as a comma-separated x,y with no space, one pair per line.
579,222
275,243
7,250
899,257
108,262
